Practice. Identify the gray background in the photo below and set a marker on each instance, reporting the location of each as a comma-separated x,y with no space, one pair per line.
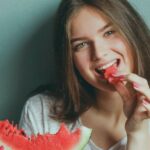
26,51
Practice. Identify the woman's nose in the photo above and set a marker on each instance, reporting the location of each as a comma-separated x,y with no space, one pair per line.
100,51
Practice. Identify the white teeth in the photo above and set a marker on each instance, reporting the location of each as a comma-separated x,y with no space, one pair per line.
107,65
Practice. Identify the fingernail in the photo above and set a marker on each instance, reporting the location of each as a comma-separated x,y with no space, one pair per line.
145,102
110,79
136,85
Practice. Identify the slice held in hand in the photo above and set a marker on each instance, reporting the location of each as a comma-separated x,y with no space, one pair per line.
12,138
108,74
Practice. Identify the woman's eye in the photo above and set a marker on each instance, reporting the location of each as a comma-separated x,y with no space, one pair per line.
108,33
81,45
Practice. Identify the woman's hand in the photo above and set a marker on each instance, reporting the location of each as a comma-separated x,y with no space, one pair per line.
135,93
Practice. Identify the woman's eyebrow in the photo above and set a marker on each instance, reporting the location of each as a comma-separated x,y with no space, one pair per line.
105,27
78,39
99,30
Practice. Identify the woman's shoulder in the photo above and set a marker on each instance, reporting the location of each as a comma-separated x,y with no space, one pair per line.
38,110
42,98
40,101
35,117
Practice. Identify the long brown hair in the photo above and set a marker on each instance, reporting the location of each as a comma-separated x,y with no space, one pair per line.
75,94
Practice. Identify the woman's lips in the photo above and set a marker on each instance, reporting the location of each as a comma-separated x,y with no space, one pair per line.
100,73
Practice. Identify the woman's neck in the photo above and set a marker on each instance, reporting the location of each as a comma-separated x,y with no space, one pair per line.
107,112
109,104
106,119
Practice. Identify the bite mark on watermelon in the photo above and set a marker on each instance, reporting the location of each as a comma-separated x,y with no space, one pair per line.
12,138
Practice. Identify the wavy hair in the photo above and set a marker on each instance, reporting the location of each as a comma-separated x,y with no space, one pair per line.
75,94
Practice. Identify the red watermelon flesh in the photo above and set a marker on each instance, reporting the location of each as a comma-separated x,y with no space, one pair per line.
12,138
109,71
108,74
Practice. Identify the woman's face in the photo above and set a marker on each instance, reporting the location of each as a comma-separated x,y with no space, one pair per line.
96,42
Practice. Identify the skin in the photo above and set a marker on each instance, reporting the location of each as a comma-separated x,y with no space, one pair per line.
96,41
97,46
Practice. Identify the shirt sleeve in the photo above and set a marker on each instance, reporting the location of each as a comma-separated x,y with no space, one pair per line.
35,116
29,122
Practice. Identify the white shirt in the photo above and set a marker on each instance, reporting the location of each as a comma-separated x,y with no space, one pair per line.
35,119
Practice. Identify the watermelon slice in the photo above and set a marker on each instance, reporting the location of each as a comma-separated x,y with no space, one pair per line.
12,138
108,74
109,71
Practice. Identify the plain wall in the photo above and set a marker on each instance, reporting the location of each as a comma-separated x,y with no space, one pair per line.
26,51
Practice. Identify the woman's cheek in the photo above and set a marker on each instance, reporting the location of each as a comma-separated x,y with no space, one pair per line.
126,53
81,61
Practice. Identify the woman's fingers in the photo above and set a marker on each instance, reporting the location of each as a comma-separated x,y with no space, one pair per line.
132,78
143,108
123,91
126,97
147,107
137,80
139,84
144,91
135,94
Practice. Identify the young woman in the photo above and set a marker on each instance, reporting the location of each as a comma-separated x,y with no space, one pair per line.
92,35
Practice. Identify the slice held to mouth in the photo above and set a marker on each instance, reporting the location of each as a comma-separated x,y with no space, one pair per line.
108,73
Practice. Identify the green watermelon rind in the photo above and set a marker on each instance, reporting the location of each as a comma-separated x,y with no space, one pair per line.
84,138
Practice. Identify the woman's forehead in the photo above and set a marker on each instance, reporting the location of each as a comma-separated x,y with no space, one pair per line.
88,20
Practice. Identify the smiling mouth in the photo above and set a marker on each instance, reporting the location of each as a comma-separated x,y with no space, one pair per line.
101,71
